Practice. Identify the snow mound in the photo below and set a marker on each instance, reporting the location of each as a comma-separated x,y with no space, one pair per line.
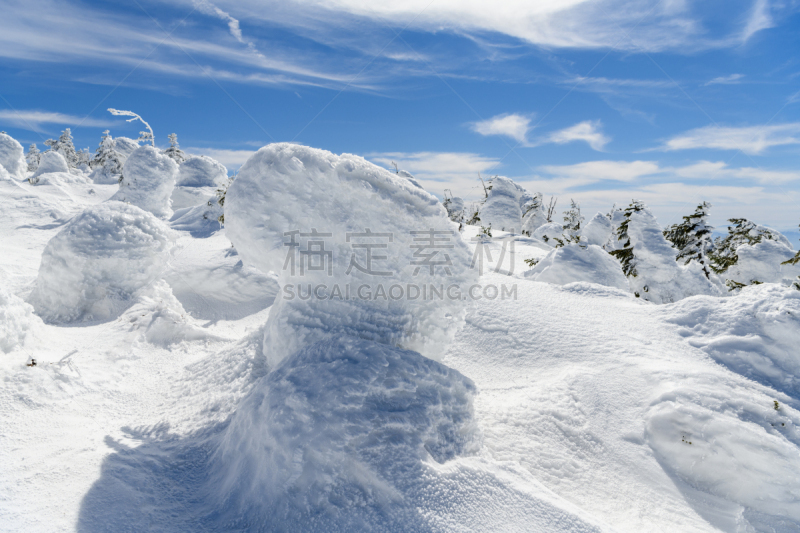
287,188
754,333
91,269
762,262
598,231
202,171
125,147
17,321
407,175
338,433
51,162
547,232
659,278
183,197
60,179
148,180
573,263
503,208
732,443
12,157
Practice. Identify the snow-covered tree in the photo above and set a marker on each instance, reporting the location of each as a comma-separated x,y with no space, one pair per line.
174,151
455,210
146,136
106,156
625,254
793,261
84,157
533,214
572,221
692,238
66,147
742,231
33,157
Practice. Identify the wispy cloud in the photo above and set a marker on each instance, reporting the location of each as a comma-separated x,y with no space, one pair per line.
33,119
588,131
596,171
512,125
749,139
733,79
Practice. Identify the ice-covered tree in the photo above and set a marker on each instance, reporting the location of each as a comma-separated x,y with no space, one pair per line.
174,151
106,156
740,232
572,221
533,214
84,157
33,157
692,238
146,136
66,147
625,254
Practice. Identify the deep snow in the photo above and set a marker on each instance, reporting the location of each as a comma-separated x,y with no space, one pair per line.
574,407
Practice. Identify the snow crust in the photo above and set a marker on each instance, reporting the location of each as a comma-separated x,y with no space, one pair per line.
284,188
12,157
201,171
574,262
91,269
148,180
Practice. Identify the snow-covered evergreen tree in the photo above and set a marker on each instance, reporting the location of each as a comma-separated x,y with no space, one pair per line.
625,254
533,214
66,147
174,151
106,156
33,157
742,231
793,261
692,238
572,221
146,136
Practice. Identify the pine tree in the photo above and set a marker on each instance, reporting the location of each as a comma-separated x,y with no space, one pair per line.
741,232
174,151
33,157
106,156
692,238
625,254
572,221
65,147
147,137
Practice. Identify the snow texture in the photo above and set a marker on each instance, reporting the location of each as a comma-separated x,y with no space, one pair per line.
148,180
548,232
574,262
762,262
50,162
91,269
598,230
502,210
125,147
12,157
755,334
17,321
407,175
285,188
202,171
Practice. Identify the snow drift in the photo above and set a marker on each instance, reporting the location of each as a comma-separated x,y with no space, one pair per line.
17,321
148,180
51,162
93,267
573,262
761,262
12,157
331,203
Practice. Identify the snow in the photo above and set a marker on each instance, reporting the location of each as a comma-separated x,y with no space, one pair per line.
285,188
91,269
202,171
12,157
573,406
125,147
50,162
503,208
574,262
762,262
598,230
548,232
148,180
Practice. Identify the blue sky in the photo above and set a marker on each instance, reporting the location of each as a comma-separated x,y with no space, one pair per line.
671,102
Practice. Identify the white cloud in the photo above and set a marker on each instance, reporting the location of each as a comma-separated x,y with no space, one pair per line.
511,125
587,130
32,119
733,79
749,139
594,171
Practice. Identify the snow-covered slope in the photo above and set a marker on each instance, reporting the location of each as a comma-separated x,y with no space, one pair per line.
563,406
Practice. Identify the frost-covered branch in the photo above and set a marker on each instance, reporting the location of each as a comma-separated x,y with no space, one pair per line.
144,136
